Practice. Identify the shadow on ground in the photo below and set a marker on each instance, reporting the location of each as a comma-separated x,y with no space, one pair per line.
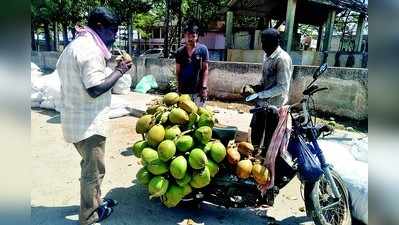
135,208
54,115
63,215
127,151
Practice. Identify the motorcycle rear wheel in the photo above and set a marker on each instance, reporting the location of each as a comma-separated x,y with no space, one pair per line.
319,194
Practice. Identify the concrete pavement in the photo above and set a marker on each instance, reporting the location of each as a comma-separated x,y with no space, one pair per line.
55,184
55,173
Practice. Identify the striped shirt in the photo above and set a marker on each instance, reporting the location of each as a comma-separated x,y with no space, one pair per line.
81,66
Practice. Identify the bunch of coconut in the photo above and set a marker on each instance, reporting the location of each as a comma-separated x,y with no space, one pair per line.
245,163
177,150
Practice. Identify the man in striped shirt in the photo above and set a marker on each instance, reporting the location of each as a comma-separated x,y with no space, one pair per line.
86,97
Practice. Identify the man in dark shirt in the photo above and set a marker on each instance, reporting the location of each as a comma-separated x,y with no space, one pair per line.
192,66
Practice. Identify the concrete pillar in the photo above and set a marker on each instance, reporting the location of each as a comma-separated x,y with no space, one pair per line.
267,21
252,39
258,43
319,36
229,34
289,23
329,30
359,32
229,30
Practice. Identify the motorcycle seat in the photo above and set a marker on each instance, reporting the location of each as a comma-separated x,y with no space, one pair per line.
224,134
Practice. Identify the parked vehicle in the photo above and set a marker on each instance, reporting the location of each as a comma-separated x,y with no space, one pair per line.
153,53
326,199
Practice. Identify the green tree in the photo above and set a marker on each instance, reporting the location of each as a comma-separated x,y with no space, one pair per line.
64,12
126,9
41,15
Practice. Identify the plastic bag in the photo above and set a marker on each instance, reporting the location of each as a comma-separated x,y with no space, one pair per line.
122,86
360,150
145,84
308,164
51,92
118,108
34,67
352,171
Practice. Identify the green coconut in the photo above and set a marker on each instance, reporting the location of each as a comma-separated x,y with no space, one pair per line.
157,167
218,151
138,148
213,167
193,119
206,120
186,189
178,116
185,180
184,97
171,98
200,178
184,143
188,106
172,132
207,147
158,186
155,135
173,196
152,109
148,155
162,117
178,167
144,123
204,111
166,150
203,134
197,158
143,176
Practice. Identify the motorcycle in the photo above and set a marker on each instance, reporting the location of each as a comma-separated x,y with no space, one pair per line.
326,200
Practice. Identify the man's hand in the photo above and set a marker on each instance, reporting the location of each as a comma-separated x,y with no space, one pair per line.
247,90
123,66
204,93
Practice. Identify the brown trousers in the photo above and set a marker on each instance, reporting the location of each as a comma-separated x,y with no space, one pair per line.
92,166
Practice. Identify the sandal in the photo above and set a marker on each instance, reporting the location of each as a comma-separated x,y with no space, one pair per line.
104,212
109,202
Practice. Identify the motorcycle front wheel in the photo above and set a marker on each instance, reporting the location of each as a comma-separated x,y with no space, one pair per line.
321,205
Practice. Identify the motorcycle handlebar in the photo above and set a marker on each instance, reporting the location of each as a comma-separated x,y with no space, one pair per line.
318,89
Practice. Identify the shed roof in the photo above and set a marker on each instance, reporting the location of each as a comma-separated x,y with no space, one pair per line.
312,12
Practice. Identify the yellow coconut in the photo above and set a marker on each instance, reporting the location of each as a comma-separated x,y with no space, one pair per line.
244,168
260,173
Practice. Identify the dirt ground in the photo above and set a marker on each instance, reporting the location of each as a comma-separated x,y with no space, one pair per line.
55,184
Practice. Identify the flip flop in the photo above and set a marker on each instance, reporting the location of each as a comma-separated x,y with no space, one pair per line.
109,202
104,212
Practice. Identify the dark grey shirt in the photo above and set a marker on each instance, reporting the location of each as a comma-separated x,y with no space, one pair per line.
276,78
191,76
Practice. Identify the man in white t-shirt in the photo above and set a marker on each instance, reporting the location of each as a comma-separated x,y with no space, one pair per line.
86,97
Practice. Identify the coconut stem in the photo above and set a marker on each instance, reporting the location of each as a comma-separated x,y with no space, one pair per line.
186,132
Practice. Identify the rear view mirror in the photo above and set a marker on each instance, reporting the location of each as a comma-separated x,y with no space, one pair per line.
320,70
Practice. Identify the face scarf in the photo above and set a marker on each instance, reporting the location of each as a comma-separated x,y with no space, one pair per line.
83,31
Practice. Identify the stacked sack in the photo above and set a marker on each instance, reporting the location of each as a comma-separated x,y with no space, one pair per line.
177,150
